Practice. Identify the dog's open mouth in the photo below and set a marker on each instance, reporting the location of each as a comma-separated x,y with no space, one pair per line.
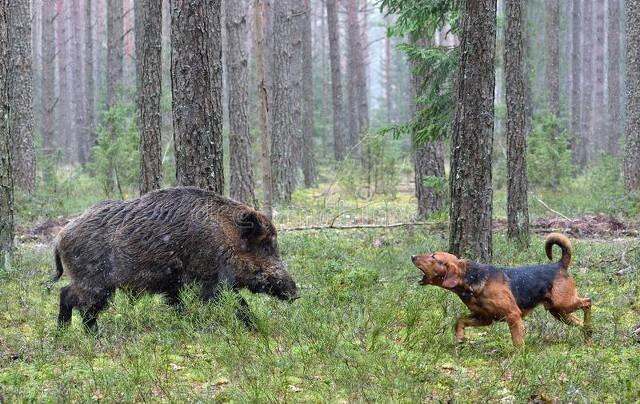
424,280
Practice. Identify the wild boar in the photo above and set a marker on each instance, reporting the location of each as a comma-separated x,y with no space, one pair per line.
163,241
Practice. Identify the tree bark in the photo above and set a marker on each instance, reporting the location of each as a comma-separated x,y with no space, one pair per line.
600,138
308,158
613,64
553,61
64,130
89,82
241,182
587,83
632,84
20,88
353,62
49,100
284,134
576,80
6,176
472,135
339,135
115,51
196,72
265,155
514,59
77,84
148,43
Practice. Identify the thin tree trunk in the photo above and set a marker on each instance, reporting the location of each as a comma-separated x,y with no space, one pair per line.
6,176
514,60
20,88
89,82
388,97
428,156
282,115
308,158
576,80
196,71
263,95
64,131
600,138
587,82
78,101
241,183
632,84
613,63
49,100
553,61
36,64
472,135
148,44
339,135
115,52
353,63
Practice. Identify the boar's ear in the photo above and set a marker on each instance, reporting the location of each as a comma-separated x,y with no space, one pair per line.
250,226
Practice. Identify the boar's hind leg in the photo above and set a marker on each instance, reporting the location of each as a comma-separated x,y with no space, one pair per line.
68,299
95,305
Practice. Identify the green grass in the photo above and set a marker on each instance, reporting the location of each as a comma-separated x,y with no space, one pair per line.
363,331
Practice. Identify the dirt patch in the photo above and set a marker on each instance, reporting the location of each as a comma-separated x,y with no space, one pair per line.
587,226
44,232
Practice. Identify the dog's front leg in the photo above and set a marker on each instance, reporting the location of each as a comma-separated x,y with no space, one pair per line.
469,321
517,329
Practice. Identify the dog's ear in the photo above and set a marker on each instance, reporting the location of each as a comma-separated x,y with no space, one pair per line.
452,277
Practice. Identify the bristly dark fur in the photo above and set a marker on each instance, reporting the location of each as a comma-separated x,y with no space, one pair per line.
162,241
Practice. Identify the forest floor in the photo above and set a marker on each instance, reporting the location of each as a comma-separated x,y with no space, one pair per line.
364,330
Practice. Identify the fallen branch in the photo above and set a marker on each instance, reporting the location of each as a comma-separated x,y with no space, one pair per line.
551,210
362,226
627,268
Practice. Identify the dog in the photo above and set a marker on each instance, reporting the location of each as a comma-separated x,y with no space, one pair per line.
509,294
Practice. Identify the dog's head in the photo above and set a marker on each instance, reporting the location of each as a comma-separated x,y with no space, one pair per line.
440,269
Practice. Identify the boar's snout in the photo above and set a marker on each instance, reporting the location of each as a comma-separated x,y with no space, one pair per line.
285,288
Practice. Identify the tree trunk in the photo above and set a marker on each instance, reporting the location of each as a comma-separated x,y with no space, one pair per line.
148,44
587,82
241,183
36,64
632,84
20,89
614,128
353,63
388,97
89,82
576,82
115,52
282,112
339,135
265,155
196,71
64,130
514,60
48,77
553,61
308,158
6,177
472,135
599,139
77,83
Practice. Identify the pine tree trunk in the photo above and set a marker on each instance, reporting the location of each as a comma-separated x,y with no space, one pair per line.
196,71
388,97
36,64
428,156
353,63
296,56
20,88
49,100
472,135
89,82
6,176
77,83
241,184
614,128
514,61
308,158
576,80
599,139
283,115
64,131
587,83
339,128
265,155
115,51
553,61
632,84
148,44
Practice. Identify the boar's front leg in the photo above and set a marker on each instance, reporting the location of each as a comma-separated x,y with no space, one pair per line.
212,291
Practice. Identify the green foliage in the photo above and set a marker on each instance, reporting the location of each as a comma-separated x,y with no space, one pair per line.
364,330
549,161
420,17
116,162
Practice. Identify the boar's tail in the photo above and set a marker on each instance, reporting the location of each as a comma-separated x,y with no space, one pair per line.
59,270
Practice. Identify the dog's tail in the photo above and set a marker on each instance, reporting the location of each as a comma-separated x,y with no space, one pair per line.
561,241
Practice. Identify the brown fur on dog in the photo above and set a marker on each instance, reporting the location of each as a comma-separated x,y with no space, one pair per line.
508,294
